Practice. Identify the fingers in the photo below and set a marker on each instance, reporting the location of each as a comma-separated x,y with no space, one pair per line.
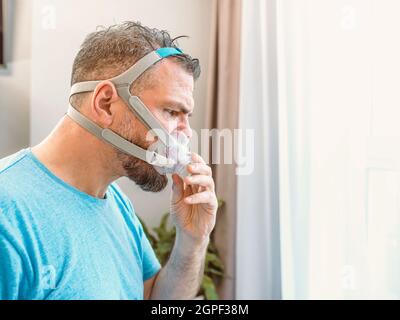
177,188
199,168
201,180
177,182
207,197
197,158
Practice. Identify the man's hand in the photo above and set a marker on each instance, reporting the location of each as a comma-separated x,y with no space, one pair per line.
193,211
193,201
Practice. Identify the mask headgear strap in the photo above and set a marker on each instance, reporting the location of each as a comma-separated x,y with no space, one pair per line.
123,83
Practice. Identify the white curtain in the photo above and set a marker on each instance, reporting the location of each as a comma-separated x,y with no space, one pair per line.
339,148
257,242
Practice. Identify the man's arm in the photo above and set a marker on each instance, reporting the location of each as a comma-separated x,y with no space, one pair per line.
193,212
180,278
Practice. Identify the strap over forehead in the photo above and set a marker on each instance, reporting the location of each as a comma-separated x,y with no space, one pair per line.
129,76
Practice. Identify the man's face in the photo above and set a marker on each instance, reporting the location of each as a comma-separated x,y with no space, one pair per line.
169,96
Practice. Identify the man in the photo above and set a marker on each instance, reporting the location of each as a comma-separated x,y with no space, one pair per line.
66,229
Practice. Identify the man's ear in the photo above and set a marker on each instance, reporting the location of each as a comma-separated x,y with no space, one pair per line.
104,95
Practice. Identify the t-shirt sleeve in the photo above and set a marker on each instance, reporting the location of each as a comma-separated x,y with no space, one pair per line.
151,265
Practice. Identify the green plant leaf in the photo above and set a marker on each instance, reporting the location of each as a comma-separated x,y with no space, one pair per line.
209,289
215,272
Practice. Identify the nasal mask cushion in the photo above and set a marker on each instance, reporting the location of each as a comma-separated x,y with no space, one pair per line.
178,151
169,154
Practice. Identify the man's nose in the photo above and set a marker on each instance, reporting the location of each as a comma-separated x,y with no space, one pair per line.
184,127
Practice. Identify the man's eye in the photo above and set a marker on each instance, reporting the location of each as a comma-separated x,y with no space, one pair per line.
172,113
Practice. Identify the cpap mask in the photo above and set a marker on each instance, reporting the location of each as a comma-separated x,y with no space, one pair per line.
168,154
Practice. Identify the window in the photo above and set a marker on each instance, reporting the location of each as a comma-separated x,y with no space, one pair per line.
339,111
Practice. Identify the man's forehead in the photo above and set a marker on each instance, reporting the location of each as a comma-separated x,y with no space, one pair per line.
174,86
172,72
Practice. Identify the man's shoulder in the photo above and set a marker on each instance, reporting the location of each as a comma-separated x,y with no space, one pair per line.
11,177
9,162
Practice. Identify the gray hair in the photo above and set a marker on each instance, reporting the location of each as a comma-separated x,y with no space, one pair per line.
107,52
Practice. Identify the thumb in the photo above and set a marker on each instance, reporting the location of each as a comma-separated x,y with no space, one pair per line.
177,189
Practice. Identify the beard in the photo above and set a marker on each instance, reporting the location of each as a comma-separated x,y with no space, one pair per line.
142,173
137,170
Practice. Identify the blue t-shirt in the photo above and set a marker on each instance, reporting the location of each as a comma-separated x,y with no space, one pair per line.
57,242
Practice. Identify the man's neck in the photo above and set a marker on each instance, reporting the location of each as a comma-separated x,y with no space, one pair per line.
78,158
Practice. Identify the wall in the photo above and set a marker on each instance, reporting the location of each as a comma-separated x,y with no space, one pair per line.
58,29
15,79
